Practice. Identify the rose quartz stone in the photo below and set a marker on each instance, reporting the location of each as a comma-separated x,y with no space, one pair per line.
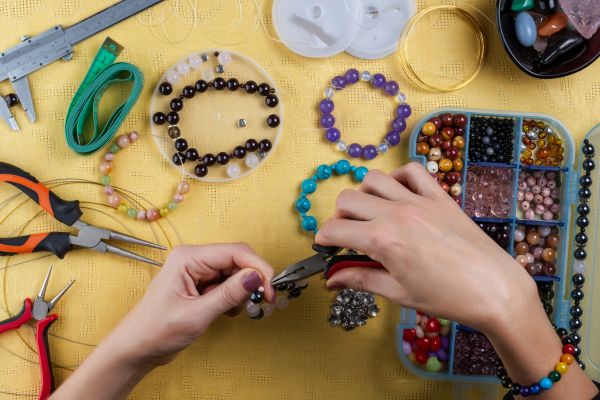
584,15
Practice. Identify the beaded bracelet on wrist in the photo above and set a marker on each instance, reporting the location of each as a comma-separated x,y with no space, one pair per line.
570,340
378,81
115,200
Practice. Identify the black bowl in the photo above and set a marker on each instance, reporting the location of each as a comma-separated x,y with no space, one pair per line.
525,57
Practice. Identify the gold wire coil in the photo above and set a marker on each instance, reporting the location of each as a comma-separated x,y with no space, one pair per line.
410,70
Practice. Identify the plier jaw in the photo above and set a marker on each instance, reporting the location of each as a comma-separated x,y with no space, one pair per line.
307,267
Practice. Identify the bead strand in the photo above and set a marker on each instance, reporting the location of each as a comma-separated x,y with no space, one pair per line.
257,309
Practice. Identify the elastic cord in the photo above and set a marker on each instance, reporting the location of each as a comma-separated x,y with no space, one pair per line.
87,101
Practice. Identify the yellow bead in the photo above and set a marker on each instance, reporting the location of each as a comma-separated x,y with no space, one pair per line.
527,153
567,359
163,212
538,162
541,143
561,368
122,208
542,135
428,129
457,165
445,165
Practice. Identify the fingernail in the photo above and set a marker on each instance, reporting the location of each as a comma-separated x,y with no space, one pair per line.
336,285
251,282
274,296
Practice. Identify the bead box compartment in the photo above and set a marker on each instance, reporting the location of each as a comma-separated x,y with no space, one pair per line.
560,283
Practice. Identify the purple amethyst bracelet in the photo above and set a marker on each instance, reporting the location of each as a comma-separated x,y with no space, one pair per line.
378,81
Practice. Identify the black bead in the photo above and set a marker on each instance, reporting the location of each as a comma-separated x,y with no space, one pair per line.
585,193
515,389
285,286
11,99
588,149
295,292
577,294
176,104
567,340
222,158
219,83
577,352
578,279
201,170
581,365
575,338
581,238
583,221
271,100
239,152
580,253
233,84
273,121
165,88
256,297
588,165
506,382
576,311
501,373
264,89
178,158
265,145
548,308
201,86
191,154
173,118
575,324
181,144
251,145
561,332
583,209
189,91
209,159
585,181
251,87
159,118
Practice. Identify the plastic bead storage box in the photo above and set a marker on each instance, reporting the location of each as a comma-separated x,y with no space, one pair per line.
516,175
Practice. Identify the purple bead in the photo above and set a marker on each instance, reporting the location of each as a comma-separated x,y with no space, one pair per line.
432,354
326,106
352,76
391,88
355,150
378,81
327,120
339,82
369,152
442,355
392,138
399,124
332,134
445,342
404,111
525,391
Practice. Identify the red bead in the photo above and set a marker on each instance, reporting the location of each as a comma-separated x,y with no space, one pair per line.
452,153
447,133
446,144
436,121
447,119
568,349
458,200
435,140
436,343
445,186
459,131
421,357
409,335
423,344
433,325
422,138
436,178
460,120
452,178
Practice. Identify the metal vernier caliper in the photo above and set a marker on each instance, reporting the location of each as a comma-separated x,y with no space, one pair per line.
56,43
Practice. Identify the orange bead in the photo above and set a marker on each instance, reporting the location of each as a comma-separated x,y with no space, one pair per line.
567,359
428,129
555,23
457,165
529,161
445,165
422,148
543,153
549,254
561,368
458,142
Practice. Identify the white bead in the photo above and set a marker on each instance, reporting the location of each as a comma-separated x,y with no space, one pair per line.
432,167
173,77
195,61
366,76
252,309
328,92
544,230
456,190
383,147
419,331
579,267
268,309
282,302
233,170
341,145
401,98
224,58
208,74
251,161
183,68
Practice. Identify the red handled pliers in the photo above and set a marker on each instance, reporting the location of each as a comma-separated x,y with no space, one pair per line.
67,212
326,260
39,311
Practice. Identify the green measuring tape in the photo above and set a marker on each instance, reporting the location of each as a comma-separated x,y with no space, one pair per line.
102,74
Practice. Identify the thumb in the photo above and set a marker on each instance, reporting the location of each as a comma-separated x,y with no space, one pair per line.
378,281
231,293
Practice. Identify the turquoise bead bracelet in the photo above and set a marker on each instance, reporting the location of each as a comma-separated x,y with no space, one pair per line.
309,186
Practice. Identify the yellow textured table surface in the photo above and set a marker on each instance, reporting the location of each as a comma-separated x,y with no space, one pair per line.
294,354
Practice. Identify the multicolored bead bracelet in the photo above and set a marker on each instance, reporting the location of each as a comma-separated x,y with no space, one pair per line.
570,340
115,200
378,81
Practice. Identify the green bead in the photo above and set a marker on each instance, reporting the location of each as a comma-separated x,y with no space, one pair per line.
172,205
433,364
521,5
443,322
554,376
105,180
114,148
132,213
